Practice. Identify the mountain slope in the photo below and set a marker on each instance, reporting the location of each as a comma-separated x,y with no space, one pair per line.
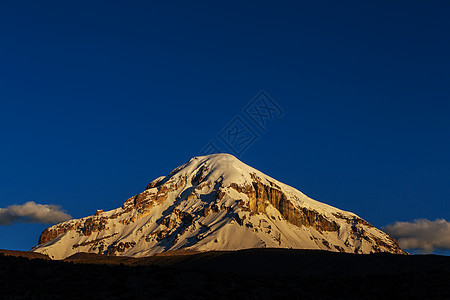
215,202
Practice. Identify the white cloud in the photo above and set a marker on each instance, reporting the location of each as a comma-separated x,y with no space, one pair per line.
421,234
32,212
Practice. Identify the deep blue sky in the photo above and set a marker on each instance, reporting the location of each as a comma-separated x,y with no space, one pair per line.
98,98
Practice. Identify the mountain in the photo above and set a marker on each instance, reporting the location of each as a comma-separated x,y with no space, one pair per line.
215,202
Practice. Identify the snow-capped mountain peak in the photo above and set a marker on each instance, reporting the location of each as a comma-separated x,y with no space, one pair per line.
215,202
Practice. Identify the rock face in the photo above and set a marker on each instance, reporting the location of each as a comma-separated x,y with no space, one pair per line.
215,202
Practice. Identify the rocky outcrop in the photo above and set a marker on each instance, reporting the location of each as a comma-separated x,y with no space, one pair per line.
95,242
155,183
53,232
119,247
93,225
85,227
260,195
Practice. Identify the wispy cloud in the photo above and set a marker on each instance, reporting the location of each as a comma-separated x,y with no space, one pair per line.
421,234
32,212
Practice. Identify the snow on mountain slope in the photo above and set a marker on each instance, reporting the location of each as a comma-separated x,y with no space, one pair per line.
215,202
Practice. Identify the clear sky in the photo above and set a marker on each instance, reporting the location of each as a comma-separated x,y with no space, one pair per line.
98,98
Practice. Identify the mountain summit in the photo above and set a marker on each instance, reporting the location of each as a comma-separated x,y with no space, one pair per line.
215,202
